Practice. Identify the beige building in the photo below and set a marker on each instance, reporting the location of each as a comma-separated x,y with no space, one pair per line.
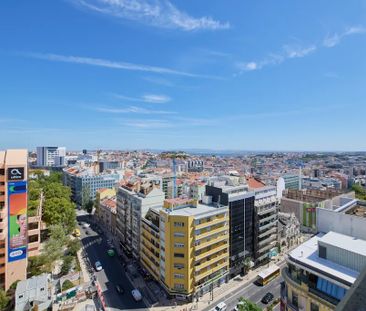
13,216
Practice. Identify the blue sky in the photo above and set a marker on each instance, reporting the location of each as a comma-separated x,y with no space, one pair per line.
243,75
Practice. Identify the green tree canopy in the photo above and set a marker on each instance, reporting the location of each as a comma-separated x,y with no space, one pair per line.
4,300
247,305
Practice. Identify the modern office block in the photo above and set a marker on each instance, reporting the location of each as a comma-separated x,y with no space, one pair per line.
51,156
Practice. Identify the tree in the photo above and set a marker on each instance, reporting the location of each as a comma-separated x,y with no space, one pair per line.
59,211
247,305
359,191
4,300
67,285
85,196
247,264
66,265
73,247
89,206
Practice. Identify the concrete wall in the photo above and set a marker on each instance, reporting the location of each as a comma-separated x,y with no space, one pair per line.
328,220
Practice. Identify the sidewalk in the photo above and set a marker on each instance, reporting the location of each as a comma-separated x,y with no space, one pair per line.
220,292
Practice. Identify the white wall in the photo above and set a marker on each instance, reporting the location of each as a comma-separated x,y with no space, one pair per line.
328,220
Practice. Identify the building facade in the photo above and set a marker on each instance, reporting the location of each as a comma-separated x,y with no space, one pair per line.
84,183
185,246
133,202
266,224
51,156
13,216
320,271
242,221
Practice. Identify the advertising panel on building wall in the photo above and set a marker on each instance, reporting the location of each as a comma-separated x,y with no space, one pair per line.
17,215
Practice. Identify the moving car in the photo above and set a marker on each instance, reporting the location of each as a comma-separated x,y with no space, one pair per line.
86,225
267,298
98,266
119,289
136,295
221,307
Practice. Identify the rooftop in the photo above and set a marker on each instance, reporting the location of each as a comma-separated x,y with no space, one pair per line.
358,210
197,210
307,254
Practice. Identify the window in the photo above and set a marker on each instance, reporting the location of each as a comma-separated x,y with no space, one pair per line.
178,276
178,255
179,266
314,307
178,234
178,245
179,286
322,252
178,224
295,299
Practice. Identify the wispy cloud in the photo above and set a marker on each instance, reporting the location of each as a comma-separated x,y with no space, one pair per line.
287,52
158,13
334,39
99,62
147,98
147,123
131,109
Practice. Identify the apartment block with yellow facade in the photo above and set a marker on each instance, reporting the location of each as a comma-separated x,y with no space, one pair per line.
185,246
320,272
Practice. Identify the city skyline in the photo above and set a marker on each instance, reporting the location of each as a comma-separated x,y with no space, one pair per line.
101,74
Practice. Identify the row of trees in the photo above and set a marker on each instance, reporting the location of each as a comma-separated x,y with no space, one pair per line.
58,209
59,247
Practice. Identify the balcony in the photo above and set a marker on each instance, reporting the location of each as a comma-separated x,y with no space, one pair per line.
212,251
211,271
269,218
206,243
211,223
267,226
316,294
210,262
2,178
270,231
264,211
268,240
211,232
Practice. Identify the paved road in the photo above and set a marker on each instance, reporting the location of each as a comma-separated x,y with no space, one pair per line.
252,292
113,272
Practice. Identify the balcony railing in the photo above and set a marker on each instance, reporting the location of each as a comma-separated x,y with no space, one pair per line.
324,296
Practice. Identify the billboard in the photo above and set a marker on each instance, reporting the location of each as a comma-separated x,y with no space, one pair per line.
17,216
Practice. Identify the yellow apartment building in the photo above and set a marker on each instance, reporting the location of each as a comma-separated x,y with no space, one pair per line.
185,246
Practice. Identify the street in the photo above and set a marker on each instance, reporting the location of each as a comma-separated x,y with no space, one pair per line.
113,272
252,292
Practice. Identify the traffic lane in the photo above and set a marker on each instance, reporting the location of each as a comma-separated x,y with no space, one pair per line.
113,273
252,292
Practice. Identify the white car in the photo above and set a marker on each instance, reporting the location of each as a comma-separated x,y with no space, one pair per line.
86,225
136,294
221,307
98,266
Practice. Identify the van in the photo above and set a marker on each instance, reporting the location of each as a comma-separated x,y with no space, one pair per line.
221,306
136,295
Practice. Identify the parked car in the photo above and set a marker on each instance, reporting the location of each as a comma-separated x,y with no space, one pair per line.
98,266
86,225
119,289
267,298
136,295
237,307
